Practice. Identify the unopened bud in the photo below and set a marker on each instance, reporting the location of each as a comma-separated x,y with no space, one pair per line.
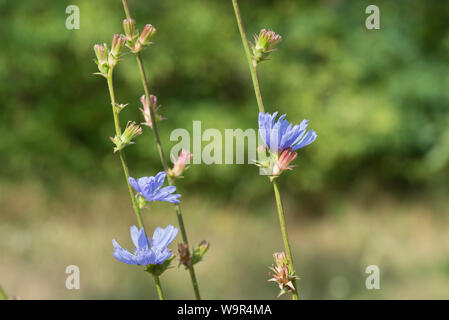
184,255
118,42
146,34
101,52
129,28
180,163
282,274
153,100
264,43
144,38
126,138
199,252
146,112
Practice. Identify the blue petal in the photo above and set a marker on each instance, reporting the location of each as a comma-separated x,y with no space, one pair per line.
162,255
163,237
138,237
122,254
134,184
308,139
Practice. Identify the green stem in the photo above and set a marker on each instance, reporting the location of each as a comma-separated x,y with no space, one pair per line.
3,295
284,236
118,131
253,68
251,63
162,156
158,287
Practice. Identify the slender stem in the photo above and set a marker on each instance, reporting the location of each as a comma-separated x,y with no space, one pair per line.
158,287
253,68
284,236
3,295
126,8
118,131
251,63
164,162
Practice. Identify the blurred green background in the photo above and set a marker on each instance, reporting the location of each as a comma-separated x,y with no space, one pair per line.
371,190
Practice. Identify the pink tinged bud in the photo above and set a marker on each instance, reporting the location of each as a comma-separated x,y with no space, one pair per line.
126,138
118,42
146,111
153,101
282,274
146,34
129,27
101,51
283,163
264,43
180,164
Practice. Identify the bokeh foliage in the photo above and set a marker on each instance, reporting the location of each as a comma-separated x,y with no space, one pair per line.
377,99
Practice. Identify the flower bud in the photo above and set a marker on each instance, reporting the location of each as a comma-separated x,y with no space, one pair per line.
283,163
153,100
146,112
184,255
129,27
264,43
199,252
141,201
282,274
118,42
180,164
101,51
146,34
144,38
126,138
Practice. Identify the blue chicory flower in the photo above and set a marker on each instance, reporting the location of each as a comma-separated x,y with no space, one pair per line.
150,188
147,251
281,135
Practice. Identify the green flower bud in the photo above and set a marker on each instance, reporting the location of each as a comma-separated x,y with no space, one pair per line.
118,42
264,44
129,27
101,52
126,138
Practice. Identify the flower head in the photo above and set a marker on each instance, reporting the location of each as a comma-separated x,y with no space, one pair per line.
282,274
126,138
118,42
281,135
264,43
184,255
180,164
146,112
129,27
280,140
147,251
146,34
101,52
151,188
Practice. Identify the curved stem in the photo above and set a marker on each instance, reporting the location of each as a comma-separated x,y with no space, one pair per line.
162,156
158,287
284,236
251,63
118,131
